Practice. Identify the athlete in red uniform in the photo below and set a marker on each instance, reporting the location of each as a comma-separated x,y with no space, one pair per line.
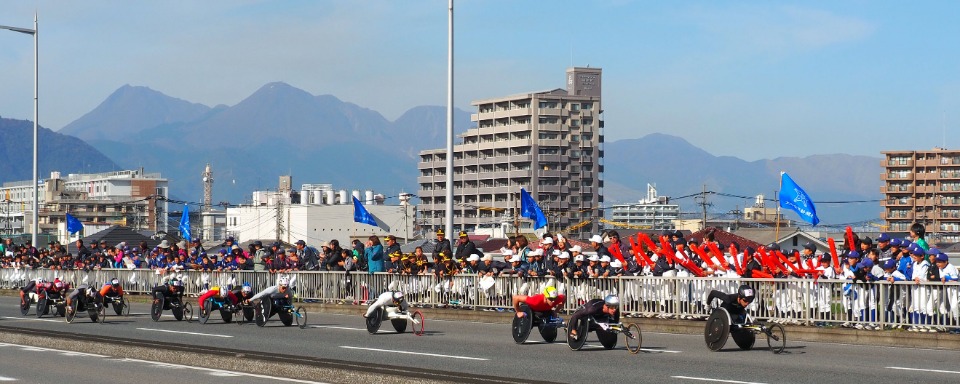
548,301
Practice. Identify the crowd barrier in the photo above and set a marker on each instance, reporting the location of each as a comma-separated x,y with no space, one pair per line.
801,301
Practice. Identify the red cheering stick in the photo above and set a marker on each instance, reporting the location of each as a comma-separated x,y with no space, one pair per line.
640,254
615,251
719,256
706,257
850,242
784,261
689,264
762,274
833,254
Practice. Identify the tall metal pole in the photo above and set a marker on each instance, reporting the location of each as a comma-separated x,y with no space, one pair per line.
449,207
36,104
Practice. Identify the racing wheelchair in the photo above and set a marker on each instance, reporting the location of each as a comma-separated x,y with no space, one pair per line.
47,299
283,308
607,332
93,305
744,332
542,320
229,312
398,318
120,305
181,310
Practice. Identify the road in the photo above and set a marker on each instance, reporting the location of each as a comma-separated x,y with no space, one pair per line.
488,349
19,364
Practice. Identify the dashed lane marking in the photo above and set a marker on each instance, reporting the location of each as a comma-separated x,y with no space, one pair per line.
415,353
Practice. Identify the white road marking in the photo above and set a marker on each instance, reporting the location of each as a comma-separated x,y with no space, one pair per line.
182,332
658,350
415,353
220,372
923,370
3,378
335,327
713,380
32,319
41,349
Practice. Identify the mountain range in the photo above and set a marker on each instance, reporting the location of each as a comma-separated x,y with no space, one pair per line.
280,129
57,152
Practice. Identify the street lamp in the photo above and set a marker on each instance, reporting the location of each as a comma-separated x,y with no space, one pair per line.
36,71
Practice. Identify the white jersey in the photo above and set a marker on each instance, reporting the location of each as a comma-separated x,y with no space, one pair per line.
266,292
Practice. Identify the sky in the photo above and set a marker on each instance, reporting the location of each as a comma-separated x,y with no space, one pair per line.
750,79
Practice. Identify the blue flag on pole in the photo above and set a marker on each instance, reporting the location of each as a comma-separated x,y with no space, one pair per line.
530,210
185,223
73,225
360,214
793,197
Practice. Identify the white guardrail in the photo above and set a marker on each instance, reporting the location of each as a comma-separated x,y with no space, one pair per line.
803,301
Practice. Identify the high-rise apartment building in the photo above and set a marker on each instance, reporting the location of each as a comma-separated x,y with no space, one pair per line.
654,212
922,187
549,142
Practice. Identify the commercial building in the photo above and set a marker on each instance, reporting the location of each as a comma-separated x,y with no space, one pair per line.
549,142
922,187
653,212
130,198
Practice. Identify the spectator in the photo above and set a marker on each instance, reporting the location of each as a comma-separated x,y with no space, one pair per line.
442,245
308,255
373,253
465,247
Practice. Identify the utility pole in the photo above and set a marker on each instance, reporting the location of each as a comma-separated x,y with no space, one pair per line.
703,206
279,216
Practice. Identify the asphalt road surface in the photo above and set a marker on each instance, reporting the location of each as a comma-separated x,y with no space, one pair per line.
23,364
488,349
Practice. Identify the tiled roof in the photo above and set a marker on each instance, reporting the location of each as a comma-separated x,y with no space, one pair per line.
724,237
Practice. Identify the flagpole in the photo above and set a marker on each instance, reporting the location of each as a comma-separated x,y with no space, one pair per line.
776,237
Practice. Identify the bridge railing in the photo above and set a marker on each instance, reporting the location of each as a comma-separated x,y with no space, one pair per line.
804,301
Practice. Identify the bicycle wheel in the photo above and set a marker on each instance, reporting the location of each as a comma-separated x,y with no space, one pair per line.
301,316
577,342
522,325
156,309
776,337
205,310
417,323
374,320
633,338
71,312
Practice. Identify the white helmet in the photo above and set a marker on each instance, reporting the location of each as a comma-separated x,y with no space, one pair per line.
247,289
397,296
224,293
283,282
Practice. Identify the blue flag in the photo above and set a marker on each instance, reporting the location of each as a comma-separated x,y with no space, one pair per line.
793,197
73,225
530,210
185,222
360,214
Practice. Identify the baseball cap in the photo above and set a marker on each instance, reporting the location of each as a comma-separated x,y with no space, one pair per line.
596,239
301,242
942,257
883,237
810,246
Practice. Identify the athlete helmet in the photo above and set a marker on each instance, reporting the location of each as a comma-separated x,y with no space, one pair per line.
283,282
550,293
246,288
612,301
176,283
397,296
746,293
115,282
40,280
224,293
58,284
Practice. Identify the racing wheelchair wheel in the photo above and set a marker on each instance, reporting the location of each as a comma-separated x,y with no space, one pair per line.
583,328
776,337
374,320
744,339
633,338
399,324
61,309
71,312
522,325
188,311
124,306
607,339
548,332
25,305
226,315
42,308
156,309
286,317
416,318
101,314
717,329
261,312
204,314
301,316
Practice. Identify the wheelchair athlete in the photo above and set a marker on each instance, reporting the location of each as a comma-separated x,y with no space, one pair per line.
735,304
390,300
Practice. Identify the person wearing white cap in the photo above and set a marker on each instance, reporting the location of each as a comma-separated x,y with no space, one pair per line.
490,267
519,266
604,270
473,264
563,268
596,242
616,269
593,266
535,263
